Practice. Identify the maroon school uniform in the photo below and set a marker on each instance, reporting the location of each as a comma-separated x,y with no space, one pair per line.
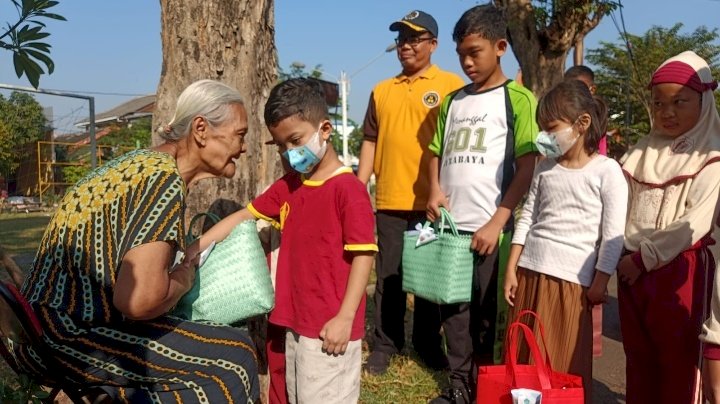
322,224
673,175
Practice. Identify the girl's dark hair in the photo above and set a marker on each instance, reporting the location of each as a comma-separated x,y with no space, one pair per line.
567,101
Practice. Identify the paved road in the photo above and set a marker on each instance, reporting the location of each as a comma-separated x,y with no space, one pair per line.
609,369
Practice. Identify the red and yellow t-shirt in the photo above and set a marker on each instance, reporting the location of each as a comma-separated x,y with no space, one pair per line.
401,119
322,223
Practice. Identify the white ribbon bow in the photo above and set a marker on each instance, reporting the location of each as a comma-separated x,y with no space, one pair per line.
425,235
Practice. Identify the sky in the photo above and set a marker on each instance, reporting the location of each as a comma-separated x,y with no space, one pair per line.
111,49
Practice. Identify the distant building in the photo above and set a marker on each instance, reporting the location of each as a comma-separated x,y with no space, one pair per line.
105,122
124,113
28,181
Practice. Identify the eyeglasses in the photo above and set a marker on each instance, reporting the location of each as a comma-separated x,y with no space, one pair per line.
413,41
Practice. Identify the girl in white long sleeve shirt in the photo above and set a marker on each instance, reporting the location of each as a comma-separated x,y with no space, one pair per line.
570,235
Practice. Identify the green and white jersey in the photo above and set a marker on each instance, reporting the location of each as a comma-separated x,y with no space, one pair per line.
478,138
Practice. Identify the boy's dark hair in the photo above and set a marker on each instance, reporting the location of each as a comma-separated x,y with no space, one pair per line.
576,72
485,20
299,97
567,101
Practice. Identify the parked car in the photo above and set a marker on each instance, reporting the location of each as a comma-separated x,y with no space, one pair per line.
25,204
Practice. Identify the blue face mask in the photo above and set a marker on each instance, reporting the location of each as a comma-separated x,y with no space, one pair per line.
555,144
304,158
547,145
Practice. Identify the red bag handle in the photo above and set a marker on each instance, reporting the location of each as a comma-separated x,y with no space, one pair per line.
541,327
511,360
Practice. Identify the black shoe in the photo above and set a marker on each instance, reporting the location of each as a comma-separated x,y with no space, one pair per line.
435,361
453,395
377,363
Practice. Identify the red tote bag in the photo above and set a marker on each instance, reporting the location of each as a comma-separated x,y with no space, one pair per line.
496,381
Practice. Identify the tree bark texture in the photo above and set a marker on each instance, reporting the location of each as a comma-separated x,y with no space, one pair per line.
541,45
231,41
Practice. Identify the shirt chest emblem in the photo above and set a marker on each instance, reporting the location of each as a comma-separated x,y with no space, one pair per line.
284,212
431,99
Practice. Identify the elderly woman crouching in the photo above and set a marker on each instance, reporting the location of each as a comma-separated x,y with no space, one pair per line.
104,280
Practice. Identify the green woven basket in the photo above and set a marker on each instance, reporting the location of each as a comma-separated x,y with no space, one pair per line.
440,271
234,282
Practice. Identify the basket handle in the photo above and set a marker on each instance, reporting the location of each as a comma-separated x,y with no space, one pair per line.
446,218
190,236
543,372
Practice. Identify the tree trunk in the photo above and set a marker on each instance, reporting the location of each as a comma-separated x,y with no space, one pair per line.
541,46
543,73
231,41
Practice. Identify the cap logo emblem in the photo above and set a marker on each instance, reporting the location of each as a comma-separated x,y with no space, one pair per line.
412,15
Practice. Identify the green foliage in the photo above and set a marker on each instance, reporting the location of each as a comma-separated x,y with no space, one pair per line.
546,11
25,39
138,134
73,174
21,123
623,83
355,139
297,69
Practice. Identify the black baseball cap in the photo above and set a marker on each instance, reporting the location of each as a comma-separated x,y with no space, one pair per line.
418,21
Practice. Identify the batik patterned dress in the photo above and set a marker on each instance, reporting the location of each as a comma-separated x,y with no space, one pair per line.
136,199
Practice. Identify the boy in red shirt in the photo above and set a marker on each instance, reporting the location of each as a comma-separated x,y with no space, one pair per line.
326,249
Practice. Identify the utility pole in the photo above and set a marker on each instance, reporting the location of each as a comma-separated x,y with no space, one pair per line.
344,89
578,52
343,101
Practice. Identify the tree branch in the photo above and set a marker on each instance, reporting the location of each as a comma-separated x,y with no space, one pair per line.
591,23
17,24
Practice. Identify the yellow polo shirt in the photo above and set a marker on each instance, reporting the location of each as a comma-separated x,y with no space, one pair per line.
401,119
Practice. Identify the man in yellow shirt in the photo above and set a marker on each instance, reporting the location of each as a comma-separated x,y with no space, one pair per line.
399,124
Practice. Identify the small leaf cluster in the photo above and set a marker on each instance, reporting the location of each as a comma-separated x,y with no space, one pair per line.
25,38
22,123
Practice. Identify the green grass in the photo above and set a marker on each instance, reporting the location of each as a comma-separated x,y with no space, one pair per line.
20,233
406,381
